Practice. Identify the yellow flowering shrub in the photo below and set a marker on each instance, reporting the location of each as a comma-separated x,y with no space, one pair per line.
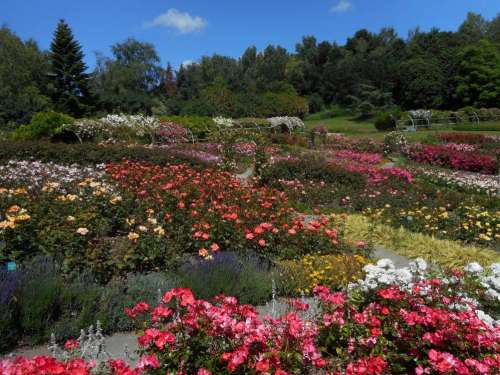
334,271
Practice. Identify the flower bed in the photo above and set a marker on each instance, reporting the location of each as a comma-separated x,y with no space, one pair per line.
142,217
466,181
408,321
445,157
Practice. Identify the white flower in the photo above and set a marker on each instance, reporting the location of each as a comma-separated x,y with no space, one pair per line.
495,268
418,266
473,267
82,231
385,263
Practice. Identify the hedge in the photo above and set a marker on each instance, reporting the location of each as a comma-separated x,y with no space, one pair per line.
87,153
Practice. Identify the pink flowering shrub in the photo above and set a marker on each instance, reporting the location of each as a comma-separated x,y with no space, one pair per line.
169,132
366,164
445,157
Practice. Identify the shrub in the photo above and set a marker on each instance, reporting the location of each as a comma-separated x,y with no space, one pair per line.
462,138
447,157
386,120
9,312
311,168
334,271
200,126
245,277
252,122
90,154
42,125
121,293
478,127
315,102
395,142
282,104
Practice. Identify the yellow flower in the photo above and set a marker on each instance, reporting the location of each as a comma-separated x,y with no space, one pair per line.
159,231
115,200
132,236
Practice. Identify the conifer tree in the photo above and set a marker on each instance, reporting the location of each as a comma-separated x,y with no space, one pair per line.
170,83
70,82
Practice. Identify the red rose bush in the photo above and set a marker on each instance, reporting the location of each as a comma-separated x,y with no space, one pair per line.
448,157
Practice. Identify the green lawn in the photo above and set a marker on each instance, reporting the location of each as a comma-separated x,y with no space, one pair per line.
351,127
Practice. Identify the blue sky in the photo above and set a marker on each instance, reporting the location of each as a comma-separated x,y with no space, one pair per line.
184,30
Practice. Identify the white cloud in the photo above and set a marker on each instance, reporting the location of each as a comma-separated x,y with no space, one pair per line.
183,22
342,6
187,62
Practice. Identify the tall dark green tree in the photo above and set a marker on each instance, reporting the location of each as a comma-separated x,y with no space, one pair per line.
70,82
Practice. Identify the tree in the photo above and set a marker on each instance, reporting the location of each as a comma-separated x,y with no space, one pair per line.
421,84
478,81
23,84
473,29
68,73
169,83
127,82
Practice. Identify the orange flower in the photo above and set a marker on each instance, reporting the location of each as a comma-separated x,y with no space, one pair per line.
203,252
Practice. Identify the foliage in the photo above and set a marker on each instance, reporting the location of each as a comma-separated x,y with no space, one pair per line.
126,82
201,127
334,271
455,159
92,154
70,82
23,86
42,125
479,75
245,277
414,245
386,120
395,142
477,127
37,301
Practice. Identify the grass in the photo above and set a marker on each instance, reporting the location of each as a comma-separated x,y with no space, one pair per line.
412,245
342,122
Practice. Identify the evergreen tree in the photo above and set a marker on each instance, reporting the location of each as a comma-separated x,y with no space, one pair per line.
68,76
170,83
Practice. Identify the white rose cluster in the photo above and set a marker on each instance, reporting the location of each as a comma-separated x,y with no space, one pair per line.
384,274
142,126
223,122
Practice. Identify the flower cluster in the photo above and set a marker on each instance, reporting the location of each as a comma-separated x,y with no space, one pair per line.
217,211
395,142
461,147
470,181
467,138
445,157
409,321
223,122
169,132
366,164
35,175
290,123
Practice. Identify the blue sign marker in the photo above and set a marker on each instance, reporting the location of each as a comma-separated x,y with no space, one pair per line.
11,266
